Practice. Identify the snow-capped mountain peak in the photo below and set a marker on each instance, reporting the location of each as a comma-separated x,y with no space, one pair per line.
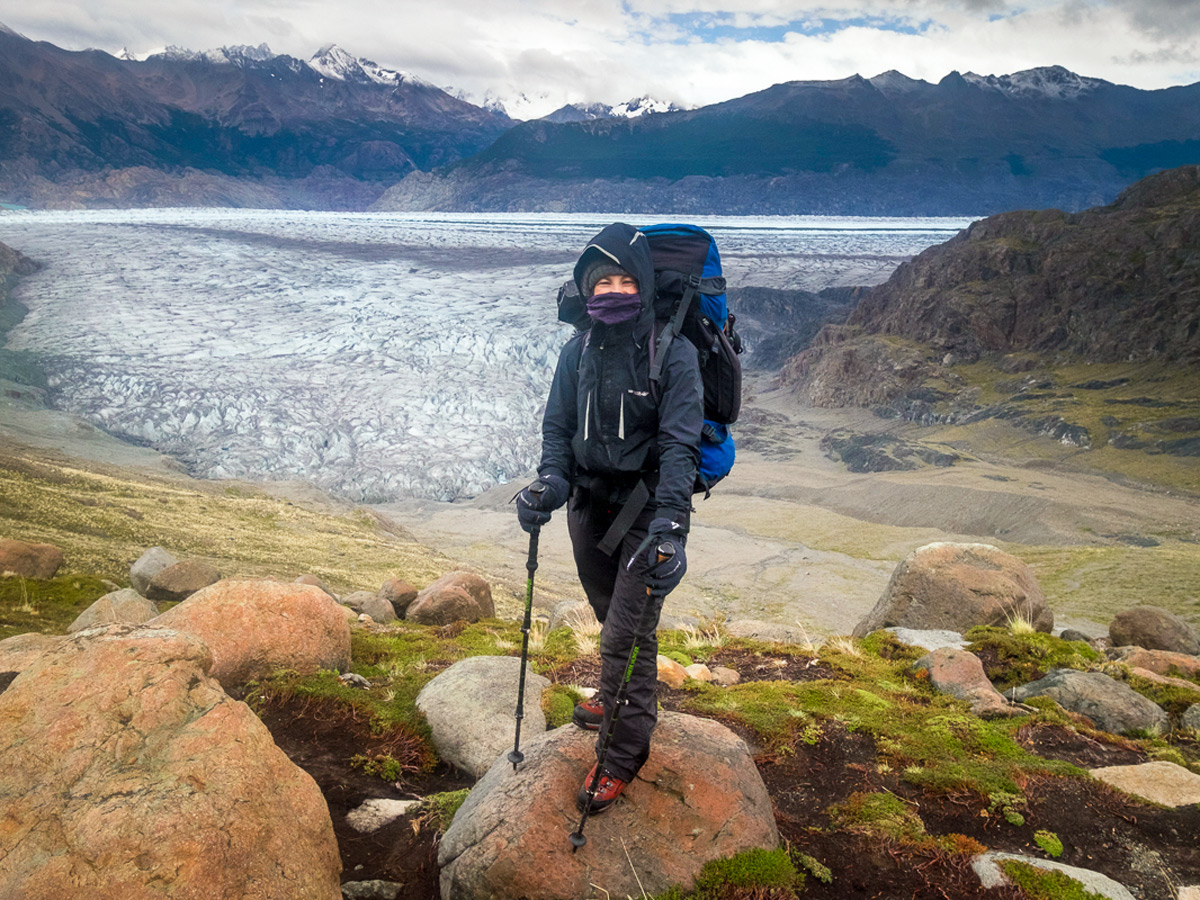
632,109
333,62
239,55
1049,81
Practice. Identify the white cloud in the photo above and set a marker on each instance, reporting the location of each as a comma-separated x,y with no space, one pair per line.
687,51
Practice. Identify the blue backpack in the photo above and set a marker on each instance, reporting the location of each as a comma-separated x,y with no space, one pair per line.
687,266
689,299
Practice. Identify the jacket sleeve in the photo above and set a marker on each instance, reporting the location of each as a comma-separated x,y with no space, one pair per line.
680,419
562,412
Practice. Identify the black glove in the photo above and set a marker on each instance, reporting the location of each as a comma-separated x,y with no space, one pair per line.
538,500
664,576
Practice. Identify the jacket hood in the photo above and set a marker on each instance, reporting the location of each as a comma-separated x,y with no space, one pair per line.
628,248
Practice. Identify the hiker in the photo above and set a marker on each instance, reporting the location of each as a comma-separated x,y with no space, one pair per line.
623,456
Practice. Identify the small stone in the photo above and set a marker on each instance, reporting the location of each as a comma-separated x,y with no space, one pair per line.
1191,717
373,815
353,678
699,671
670,672
929,639
725,676
371,890
1159,782
991,876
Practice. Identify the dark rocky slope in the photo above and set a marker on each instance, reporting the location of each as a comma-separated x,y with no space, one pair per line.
1081,327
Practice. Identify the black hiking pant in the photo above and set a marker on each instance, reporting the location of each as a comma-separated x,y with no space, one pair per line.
618,597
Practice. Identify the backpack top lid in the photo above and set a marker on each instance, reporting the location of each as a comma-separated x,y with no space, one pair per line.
680,252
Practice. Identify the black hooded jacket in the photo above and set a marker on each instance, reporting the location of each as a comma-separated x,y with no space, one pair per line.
602,418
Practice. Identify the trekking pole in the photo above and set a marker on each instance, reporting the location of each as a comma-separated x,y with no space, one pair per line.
664,552
516,756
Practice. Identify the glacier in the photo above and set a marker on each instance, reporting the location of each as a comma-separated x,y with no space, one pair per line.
376,356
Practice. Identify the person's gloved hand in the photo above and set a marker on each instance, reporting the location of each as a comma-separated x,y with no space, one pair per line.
663,577
538,500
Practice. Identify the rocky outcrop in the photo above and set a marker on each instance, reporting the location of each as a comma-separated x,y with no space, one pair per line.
179,581
699,797
453,597
470,709
126,771
956,587
147,566
1113,706
1153,628
1108,284
123,607
29,560
256,627
960,674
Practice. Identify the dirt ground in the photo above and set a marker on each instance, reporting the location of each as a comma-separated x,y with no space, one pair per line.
1150,850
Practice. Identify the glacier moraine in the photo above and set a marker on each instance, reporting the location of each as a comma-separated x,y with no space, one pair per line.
377,356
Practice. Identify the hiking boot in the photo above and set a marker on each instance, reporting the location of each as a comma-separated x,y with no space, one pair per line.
590,713
607,791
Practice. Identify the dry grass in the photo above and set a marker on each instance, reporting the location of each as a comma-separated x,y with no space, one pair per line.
104,519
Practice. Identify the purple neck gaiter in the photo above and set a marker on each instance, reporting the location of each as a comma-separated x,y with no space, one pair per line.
613,308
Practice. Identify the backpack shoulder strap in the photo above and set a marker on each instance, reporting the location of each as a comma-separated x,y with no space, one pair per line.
692,284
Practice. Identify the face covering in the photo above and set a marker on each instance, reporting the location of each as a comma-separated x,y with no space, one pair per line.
613,308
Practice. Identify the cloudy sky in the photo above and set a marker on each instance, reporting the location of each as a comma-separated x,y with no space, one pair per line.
538,54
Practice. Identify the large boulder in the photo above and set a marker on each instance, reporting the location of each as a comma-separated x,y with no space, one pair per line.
453,597
19,652
956,587
1153,628
29,560
1112,705
125,771
960,674
399,593
470,709
699,797
147,566
256,627
178,582
123,607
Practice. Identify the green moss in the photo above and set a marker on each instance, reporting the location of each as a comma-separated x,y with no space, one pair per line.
1049,842
755,874
441,808
1046,884
933,739
813,867
682,658
49,607
1022,658
879,814
558,704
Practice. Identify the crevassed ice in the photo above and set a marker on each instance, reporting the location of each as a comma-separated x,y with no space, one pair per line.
377,356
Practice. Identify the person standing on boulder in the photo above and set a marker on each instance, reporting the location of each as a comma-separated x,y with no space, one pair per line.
624,454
